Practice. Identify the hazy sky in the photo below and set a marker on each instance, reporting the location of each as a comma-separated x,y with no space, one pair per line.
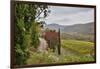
70,15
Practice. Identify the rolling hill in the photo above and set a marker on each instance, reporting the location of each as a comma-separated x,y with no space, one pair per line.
87,28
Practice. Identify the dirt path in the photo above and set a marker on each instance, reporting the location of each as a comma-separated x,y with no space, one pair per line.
43,45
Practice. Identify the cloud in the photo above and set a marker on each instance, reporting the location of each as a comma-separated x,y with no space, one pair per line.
70,15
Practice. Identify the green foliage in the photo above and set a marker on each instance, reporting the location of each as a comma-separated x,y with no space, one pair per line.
41,57
34,30
50,57
26,30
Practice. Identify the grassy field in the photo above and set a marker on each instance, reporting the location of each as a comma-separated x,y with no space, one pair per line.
82,47
72,51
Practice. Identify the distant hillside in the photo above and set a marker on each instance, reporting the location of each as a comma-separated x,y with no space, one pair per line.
55,26
80,28
87,28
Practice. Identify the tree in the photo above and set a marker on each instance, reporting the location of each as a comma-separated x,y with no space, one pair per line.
26,29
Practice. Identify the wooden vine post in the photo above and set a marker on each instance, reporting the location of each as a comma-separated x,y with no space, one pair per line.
59,45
